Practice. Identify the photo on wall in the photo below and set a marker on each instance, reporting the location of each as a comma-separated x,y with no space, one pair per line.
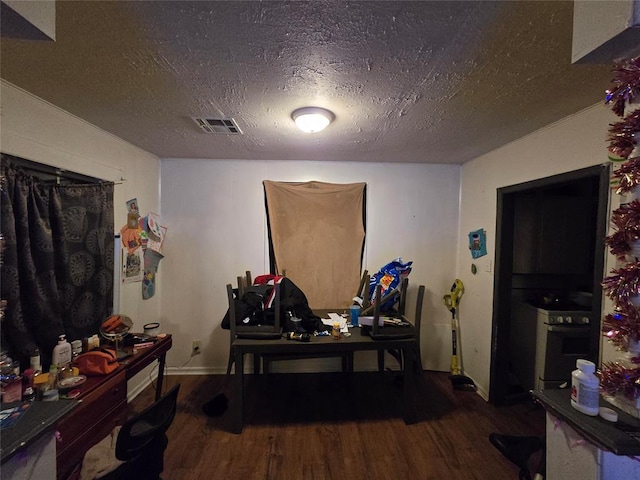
132,266
478,243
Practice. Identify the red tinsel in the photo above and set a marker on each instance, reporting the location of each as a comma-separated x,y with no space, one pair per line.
616,379
626,85
621,140
626,220
624,283
628,175
622,325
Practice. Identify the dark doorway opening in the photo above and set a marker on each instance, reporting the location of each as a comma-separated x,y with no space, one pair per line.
549,241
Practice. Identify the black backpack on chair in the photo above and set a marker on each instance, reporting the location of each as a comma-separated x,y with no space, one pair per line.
253,308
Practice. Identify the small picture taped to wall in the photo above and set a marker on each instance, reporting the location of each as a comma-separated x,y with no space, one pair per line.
132,266
132,207
478,243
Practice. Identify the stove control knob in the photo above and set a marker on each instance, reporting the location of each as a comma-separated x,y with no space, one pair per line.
559,319
568,320
585,320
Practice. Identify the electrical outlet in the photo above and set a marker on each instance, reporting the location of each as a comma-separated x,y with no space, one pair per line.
196,347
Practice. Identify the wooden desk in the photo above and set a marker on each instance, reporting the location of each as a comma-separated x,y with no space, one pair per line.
325,344
103,402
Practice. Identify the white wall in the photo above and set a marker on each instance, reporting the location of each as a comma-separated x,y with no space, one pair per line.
573,143
215,215
38,131
217,230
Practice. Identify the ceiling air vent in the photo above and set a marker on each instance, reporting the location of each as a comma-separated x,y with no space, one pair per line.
219,125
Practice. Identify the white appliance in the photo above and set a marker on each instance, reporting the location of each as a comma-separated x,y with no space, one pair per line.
546,341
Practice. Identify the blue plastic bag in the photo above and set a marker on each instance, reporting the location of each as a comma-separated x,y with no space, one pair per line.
390,276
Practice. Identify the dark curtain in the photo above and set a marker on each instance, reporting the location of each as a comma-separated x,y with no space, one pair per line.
57,263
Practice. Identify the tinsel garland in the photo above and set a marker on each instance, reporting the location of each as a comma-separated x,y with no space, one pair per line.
621,135
626,85
623,326
618,327
616,379
623,284
628,175
626,220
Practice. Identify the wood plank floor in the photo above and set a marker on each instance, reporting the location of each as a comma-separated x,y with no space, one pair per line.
335,426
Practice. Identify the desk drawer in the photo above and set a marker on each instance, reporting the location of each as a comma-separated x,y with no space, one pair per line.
93,407
87,424
70,455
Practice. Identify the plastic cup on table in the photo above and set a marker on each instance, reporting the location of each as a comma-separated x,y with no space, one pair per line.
354,312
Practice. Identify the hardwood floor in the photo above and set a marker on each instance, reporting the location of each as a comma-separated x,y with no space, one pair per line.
335,426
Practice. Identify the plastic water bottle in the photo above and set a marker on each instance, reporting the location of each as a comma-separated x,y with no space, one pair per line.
585,388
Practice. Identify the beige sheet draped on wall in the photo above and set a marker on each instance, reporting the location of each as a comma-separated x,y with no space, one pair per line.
317,233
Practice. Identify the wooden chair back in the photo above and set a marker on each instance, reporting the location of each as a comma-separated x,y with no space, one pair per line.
244,282
401,289
402,302
363,290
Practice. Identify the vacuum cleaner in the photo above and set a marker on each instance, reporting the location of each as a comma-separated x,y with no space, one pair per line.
451,301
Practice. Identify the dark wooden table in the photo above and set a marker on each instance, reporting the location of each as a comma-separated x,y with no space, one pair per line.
323,345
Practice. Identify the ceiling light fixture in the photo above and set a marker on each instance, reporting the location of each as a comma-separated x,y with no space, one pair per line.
312,119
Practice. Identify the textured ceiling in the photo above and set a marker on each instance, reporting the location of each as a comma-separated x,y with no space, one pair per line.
433,82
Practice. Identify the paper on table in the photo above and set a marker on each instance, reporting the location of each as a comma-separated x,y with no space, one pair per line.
333,318
368,321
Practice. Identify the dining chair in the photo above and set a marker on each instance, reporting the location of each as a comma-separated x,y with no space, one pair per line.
250,331
412,330
243,283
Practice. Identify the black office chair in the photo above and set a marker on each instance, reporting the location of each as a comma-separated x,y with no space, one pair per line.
142,441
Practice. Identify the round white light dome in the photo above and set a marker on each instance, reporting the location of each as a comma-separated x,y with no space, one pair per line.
312,119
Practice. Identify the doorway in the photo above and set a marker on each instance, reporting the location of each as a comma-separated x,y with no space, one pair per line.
549,241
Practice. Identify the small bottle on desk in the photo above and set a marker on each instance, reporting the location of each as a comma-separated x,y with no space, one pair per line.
335,331
34,360
52,379
28,392
61,352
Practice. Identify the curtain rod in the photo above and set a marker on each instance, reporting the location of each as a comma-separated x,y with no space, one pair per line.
57,173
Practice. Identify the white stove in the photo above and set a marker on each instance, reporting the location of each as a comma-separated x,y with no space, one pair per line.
562,335
565,317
